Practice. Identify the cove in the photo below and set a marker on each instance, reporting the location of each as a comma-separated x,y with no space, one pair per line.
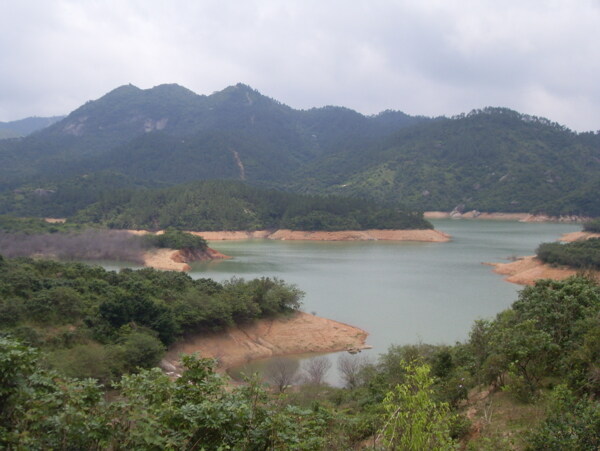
400,292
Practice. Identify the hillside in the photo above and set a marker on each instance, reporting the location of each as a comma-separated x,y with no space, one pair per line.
490,160
171,134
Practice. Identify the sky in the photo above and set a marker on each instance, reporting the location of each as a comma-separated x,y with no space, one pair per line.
422,57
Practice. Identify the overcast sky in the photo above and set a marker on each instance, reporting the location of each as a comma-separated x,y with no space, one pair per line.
427,57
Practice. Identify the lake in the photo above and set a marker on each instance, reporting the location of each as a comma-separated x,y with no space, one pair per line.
400,292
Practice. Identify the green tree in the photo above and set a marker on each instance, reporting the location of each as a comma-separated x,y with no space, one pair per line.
413,420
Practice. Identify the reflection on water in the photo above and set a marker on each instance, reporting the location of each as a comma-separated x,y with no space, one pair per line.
399,292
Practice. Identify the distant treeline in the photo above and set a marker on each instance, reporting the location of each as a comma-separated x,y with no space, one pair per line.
228,205
98,323
578,254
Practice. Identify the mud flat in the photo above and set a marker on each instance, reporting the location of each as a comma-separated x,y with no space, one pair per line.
297,334
427,235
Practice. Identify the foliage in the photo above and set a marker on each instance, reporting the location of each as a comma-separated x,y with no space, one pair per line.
176,239
578,254
43,410
572,424
100,323
30,226
220,205
413,420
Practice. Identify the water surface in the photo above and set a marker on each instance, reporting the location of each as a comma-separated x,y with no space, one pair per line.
400,292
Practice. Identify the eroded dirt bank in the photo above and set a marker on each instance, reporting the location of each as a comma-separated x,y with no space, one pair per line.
428,235
297,334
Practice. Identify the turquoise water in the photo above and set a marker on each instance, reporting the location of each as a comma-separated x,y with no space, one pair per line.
399,292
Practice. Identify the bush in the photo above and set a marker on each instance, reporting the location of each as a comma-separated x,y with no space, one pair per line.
579,254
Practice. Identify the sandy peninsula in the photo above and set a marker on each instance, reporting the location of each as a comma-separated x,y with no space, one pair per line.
526,270
297,334
427,235
578,236
177,260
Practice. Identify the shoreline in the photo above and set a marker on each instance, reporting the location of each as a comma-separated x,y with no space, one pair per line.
423,235
299,333
521,217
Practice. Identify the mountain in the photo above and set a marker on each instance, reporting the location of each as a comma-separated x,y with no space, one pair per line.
24,127
493,159
171,134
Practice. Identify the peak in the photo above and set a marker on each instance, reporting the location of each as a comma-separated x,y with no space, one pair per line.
124,89
171,87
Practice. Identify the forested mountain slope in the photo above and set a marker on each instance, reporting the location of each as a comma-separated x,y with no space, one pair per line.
493,159
171,134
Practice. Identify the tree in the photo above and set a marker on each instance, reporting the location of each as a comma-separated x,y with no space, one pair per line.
350,367
316,369
413,421
282,372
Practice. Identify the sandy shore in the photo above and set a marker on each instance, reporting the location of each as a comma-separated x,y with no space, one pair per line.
526,270
578,236
428,235
521,217
174,260
298,334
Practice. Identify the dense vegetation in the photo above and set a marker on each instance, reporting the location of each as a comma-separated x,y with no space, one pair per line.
98,323
540,356
490,160
228,205
176,239
578,254
592,226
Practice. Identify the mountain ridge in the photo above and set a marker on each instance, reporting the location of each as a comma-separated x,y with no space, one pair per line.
492,159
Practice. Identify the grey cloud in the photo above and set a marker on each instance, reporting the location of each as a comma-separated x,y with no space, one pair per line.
425,57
